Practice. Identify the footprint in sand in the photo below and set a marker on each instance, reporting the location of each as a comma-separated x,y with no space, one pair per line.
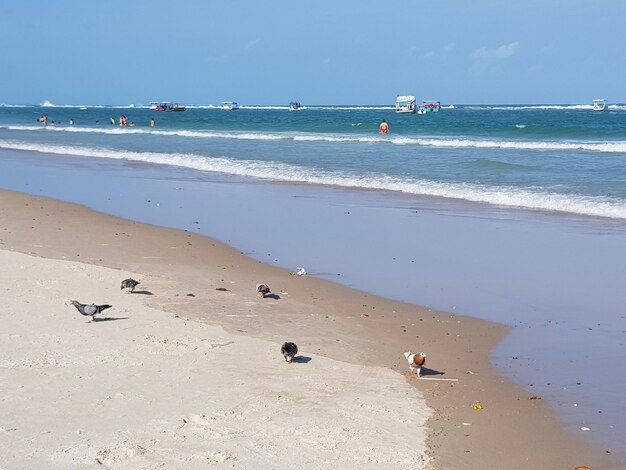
200,420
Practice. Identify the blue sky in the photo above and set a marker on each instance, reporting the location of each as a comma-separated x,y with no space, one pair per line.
322,52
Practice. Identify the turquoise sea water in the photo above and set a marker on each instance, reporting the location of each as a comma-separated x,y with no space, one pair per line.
515,214
556,158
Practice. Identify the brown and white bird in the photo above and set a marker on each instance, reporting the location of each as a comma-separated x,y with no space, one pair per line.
416,361
289,350
262,290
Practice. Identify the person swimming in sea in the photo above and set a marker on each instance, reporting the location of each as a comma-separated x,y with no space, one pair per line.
384,127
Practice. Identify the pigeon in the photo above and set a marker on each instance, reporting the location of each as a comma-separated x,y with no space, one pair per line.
262,290
416,361
289,350
129,284
89,310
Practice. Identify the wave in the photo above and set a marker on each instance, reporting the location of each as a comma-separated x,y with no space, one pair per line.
616,106
276,171
485,164
439,142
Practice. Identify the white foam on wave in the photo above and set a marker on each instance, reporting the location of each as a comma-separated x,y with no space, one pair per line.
541,107
496,195
440,142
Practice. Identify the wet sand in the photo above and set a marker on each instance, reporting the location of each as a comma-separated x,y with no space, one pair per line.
512,430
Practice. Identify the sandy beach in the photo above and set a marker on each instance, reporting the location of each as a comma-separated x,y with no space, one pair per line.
188,373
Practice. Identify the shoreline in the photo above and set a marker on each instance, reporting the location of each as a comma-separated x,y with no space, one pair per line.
329,319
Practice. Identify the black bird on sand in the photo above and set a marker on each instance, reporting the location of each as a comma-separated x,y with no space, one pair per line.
262,290
129,284
289,350
89,310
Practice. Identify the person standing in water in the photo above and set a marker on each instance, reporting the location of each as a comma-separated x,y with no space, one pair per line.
151,122
384,127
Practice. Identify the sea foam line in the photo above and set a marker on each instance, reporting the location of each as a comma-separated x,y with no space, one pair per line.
495,195
439,142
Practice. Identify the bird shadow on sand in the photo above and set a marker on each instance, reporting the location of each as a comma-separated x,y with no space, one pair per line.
142,292
100,320
272,296
428,372
301,359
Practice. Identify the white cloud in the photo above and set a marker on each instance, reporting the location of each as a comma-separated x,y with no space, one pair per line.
439,53
503,52
449,48
252,43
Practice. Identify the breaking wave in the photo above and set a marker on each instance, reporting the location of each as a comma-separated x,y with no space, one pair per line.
441,142
276,171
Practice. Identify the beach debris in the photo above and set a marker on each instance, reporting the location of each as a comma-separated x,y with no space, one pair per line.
534,397
300,272
129,285
223,289
191,295
470,372
289,350
416,361
262,290
583,468
89,310
585,429
477,406
466,424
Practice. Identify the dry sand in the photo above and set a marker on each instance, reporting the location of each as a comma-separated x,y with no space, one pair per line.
141,388
152,353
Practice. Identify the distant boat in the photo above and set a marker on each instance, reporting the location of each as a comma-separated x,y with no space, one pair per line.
167,106
294,106
599,105
429,107
405,104
229,105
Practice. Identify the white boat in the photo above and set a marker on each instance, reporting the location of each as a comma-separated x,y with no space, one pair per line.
294,106
229,105
599,105
405,104
429,107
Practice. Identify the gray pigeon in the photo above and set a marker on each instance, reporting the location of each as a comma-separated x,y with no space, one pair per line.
289,350
262,290
90,310
129,284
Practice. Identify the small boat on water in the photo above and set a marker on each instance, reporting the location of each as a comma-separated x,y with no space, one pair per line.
167,106
599,105
429,107
405,104
229,105
294,106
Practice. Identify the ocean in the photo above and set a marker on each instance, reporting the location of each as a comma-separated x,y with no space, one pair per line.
557,158
515,214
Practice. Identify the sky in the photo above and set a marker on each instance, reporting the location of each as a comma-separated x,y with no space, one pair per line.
322,52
